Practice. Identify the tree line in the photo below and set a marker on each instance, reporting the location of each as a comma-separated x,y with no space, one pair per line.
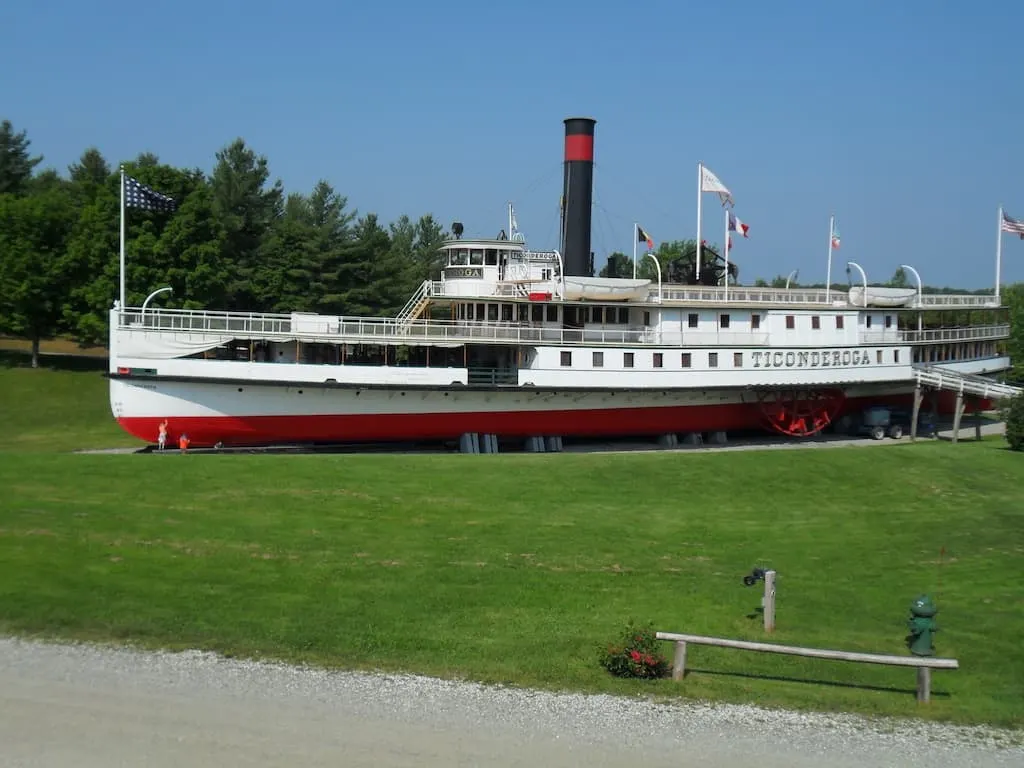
236,241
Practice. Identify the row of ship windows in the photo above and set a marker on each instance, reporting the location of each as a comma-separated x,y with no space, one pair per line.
685,360
538,313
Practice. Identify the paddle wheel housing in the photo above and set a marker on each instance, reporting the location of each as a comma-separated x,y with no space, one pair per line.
799,412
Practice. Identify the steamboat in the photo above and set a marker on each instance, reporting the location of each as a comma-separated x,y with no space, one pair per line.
514,343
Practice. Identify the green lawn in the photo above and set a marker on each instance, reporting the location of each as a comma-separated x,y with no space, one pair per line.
63,408
517,568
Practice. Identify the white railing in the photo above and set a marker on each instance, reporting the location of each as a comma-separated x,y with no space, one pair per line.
932,335
710,294
701,294
414,303
326,329
964,383
933,300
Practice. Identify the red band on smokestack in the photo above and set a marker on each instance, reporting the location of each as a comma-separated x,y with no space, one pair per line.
579,147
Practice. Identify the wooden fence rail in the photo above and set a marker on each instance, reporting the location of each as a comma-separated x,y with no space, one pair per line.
924,664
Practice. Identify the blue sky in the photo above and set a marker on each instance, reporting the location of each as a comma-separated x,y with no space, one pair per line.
901,117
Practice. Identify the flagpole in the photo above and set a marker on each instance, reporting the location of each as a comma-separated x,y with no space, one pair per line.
636,237
726,254
999,250
121,270
700,176
828,272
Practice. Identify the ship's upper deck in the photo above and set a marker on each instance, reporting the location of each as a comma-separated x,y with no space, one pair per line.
507,269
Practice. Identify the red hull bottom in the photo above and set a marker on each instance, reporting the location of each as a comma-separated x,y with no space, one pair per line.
608,422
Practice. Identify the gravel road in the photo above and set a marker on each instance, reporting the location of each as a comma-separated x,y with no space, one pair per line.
85,706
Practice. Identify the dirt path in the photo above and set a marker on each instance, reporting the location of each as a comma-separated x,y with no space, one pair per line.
89,707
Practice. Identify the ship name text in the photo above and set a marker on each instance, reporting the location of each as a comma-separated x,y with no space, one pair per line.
823,358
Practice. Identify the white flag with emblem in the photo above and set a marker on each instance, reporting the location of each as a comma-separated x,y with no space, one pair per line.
711,183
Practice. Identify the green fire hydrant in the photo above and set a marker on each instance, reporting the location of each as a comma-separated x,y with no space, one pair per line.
922,626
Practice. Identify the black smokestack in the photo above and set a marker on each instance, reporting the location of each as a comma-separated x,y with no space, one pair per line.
577,195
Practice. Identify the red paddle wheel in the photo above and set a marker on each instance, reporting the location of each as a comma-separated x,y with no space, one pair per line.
799,412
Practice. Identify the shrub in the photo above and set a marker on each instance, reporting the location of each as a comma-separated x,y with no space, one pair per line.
635,655
1013,414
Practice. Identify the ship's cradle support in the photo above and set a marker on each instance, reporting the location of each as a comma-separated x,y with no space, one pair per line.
475,442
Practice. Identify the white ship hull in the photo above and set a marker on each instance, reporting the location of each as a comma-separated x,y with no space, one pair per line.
214,412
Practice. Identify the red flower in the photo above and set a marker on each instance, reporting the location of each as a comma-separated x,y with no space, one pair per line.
635,655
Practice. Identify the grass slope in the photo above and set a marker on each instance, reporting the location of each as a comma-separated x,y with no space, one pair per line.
517,568
61,406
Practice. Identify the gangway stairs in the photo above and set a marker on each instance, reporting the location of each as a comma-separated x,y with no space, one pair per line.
414,307
964,383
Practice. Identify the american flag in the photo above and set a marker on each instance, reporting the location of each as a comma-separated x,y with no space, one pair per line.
138,195
1013,225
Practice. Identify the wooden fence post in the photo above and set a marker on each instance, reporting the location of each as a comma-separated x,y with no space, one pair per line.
679,663
924,684
769,601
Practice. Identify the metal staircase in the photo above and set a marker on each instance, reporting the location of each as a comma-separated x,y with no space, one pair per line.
964,383
414,307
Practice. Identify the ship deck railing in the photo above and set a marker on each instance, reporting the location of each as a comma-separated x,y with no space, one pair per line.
337,329
710,294
934,335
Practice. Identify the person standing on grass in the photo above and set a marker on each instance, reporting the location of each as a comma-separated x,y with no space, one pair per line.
162,436
183,443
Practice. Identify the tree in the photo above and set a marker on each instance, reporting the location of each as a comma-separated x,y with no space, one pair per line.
619,265
16,165
1013,297
1013,414
899,278
246,209
90,174
33,235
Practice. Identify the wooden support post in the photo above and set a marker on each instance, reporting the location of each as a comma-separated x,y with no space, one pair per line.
977,419
958,412
679,662
924,685
769,601
918,395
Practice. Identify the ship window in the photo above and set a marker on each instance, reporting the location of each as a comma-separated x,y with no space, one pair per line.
659,359
524,313
686,360
755,322
712,359
476,257
790,322
647,318
597,314
491,257
867,321
627,359
888,321
878,356
723,321
815,322
492,313
599,359
737,359
480,314
460,258
545,274
839,322
566,358
895,355
506,313
624,315
552,313
537,313
692,319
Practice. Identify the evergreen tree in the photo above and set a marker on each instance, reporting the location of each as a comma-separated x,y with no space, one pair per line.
16,164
